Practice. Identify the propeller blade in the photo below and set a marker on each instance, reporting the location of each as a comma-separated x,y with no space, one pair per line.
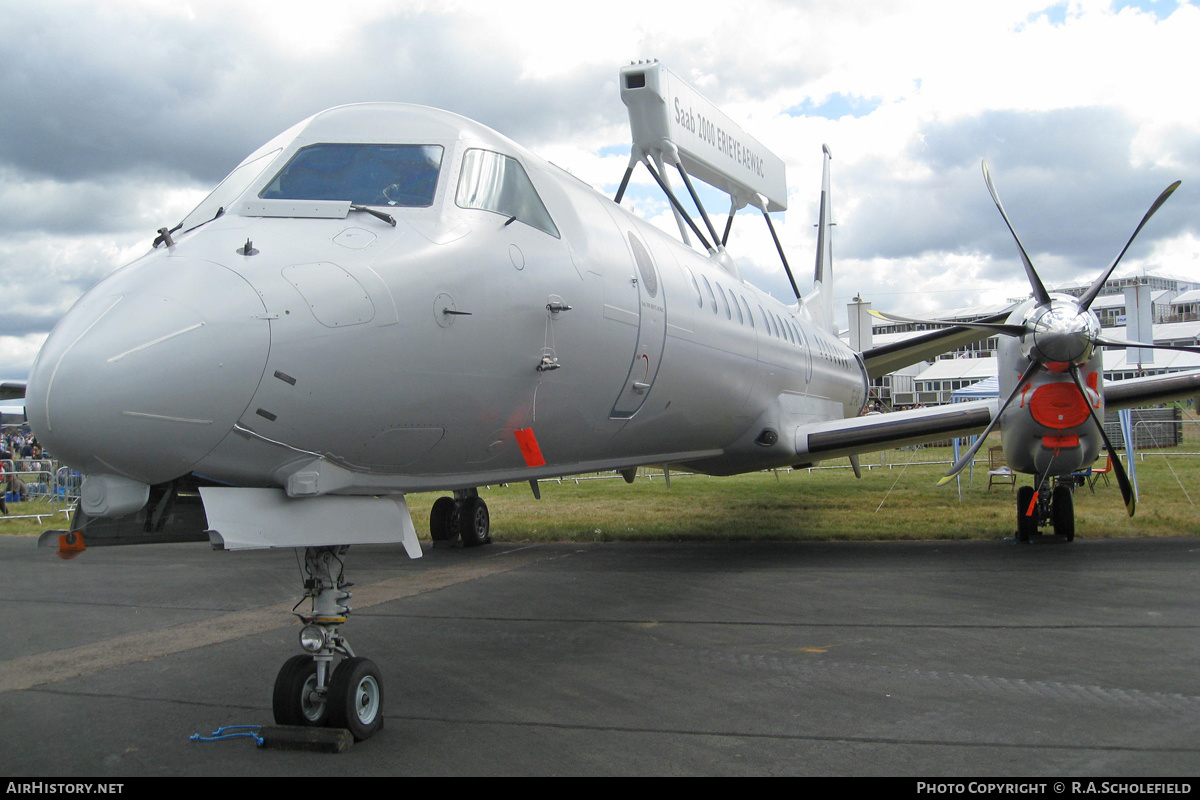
1122,478
1039,290
991,327
970,454
1104,340
1085,301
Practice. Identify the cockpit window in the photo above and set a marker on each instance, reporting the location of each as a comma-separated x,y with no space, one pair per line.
365,174
495,182
227,191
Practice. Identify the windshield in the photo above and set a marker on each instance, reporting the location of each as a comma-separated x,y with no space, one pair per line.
227,191
364,174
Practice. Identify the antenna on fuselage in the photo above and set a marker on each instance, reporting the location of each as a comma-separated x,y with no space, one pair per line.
673,124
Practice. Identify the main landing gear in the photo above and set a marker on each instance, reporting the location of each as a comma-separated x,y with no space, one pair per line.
309,689
463,517
1037,509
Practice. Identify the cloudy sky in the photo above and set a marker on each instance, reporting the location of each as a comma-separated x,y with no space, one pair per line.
117,117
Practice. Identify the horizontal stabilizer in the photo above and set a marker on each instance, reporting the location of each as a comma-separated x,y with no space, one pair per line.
888,358
672,121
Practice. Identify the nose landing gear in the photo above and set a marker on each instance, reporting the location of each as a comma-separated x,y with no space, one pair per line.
307,691
1035,509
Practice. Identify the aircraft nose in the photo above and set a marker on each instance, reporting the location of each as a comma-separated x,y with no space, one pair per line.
150,369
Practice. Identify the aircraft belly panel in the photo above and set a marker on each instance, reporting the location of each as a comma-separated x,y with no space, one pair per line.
398,447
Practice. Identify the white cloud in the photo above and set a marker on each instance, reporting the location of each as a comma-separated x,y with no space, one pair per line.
17,353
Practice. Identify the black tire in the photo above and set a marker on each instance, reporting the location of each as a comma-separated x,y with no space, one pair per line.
474,522
1026,524
356,698
293,700
1062,512
442,523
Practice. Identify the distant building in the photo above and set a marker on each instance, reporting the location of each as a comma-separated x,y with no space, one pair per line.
1184,308
1175,306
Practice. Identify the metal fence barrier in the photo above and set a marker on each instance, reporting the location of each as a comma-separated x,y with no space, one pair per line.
41,479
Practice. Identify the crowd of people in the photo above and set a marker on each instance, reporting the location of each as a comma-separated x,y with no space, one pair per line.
23,466
877,407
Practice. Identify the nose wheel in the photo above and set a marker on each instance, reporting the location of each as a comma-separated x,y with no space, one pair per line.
309,690
1055,508
355,698
298,698
462,518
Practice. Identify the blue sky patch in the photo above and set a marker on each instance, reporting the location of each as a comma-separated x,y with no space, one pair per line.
1161,9
836,106
1056,14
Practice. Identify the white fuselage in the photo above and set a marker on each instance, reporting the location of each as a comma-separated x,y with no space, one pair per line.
283,345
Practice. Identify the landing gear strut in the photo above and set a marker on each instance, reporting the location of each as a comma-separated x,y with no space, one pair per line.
463,517
1037,509
309,690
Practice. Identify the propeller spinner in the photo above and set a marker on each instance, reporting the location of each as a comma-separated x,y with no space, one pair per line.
1059,333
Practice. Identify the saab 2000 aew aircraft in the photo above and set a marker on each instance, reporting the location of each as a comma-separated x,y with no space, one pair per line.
390,298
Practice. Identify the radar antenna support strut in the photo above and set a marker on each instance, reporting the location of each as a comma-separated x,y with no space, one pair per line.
779,248
696,199
624,184
678,206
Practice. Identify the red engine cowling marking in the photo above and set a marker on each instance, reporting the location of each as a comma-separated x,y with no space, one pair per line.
1058,406
1059,442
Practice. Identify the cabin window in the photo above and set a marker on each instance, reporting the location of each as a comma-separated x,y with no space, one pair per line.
712,298
495,182
403,175
724,302
746,306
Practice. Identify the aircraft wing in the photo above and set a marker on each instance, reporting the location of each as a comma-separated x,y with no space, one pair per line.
888,358
885,431
12,390
1137,392
873,432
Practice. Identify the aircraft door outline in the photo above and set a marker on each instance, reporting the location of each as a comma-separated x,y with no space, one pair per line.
652,334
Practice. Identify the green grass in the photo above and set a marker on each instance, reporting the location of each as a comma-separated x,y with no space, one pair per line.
895,502
14,524
889,503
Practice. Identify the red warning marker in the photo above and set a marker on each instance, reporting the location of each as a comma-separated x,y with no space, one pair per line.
529,447
70,545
